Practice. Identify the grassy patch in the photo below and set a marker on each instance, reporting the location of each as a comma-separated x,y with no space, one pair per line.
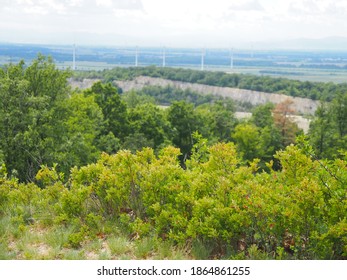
5,254
144,248
118,246
200,250
58,237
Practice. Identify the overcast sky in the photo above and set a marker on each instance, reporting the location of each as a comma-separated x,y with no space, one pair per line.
176,23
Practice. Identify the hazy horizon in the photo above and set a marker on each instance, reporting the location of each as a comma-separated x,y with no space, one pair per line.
174,23
329,44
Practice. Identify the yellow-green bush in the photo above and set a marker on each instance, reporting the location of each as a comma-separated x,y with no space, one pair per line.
216,202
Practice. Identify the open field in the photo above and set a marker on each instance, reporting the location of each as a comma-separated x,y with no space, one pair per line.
317,66
302,74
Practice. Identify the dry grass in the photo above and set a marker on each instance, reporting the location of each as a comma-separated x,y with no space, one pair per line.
33,242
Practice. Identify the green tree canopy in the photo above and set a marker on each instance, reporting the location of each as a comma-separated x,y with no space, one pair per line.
42,121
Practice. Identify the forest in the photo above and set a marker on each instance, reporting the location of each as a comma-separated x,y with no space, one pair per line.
102,174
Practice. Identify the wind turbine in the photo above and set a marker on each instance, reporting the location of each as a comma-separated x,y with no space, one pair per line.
231,58
136,56
74,57
164,58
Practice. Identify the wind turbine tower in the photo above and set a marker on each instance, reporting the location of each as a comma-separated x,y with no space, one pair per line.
202,59
231,58
137,57
164,58
74,58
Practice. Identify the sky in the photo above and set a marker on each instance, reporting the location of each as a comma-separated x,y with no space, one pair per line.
173,23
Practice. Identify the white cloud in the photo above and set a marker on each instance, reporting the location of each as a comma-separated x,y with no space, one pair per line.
104,3
70,6
319,7
24,2
247,5
183,21
128,4
336,9
305,7
121,4
35,10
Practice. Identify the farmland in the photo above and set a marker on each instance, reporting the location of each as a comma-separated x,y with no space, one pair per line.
318,66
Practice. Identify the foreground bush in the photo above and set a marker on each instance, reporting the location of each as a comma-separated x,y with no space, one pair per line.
216,205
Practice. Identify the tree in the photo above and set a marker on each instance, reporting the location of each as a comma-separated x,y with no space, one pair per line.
222,119
14,120
28,96
150,121
42,121
113,108
262,115
321,131
269,134
282,118
328,130
184,122
132,99
339,108
47,89
247,139
46,81
75,128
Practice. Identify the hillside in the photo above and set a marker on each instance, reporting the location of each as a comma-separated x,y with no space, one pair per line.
300,105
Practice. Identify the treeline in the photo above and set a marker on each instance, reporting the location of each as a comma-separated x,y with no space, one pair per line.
44,122
312,90
165,96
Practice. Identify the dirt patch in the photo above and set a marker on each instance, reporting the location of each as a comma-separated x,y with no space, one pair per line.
84,84
42,249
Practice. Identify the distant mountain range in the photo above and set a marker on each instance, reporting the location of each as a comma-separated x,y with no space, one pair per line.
327,43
